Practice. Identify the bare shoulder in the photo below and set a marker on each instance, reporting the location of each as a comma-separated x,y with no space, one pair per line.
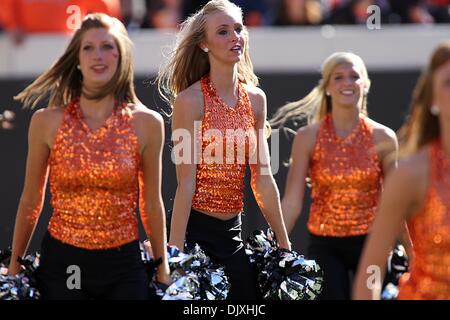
45,123
190,101
381,132
308,132
146,117
257,97
48,116
414,168
305,137
255,92
411,178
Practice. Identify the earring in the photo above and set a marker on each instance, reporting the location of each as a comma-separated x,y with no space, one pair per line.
327,93
435,110
206,50
78,67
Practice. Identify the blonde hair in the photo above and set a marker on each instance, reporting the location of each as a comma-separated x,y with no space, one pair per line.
63,81
422,127
317,104
187,63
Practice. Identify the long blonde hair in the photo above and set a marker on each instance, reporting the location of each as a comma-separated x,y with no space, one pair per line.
317,104
63,81
422,127
187,63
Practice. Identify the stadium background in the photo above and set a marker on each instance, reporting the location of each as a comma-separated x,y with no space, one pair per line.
287,61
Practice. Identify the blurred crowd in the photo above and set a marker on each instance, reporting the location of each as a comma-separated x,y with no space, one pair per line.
20,17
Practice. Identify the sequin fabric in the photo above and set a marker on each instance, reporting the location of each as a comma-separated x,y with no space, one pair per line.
429,228
94,180
220,175
346,178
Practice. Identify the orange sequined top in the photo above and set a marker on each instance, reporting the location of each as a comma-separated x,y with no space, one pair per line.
429,228
94,177
346,178
220,174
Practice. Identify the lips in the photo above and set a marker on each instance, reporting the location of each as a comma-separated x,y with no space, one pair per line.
99,68
236,48
347,92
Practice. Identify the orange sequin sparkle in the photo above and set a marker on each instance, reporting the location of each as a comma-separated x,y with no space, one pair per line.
346,177
94,181
219,186
429,228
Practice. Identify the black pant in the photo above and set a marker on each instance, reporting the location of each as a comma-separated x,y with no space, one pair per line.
338,257
110,274
221,240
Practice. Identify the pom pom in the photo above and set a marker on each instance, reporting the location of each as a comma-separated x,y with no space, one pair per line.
194,276
22,286
282,274
398,264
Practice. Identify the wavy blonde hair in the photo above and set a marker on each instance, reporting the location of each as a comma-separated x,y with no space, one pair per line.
63,81
187,63
317,104
421,127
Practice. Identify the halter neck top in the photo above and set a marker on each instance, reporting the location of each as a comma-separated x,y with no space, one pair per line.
94,177
227,138
346,177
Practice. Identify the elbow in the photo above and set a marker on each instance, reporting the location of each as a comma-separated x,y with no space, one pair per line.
186,187
30,208
265,185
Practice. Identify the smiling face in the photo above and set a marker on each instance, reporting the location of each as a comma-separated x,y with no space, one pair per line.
98,56
346,85
225,38
441,90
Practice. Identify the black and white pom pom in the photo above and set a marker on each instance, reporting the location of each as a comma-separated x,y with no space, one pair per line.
22,286
194,276
397,265
283,274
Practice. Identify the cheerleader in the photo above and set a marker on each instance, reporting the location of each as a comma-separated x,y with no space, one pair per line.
96,143
339,151
419,193
209,78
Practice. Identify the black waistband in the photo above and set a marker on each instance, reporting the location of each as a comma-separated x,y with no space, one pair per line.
214,223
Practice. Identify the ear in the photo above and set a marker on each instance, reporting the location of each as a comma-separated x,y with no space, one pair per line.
327,91
203,46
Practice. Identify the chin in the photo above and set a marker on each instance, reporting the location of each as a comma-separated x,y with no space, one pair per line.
349,104
99,82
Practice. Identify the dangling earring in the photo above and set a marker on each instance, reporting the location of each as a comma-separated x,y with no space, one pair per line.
206,50
78,67
434,110
327,93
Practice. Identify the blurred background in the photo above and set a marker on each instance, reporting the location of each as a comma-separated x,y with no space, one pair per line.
289,39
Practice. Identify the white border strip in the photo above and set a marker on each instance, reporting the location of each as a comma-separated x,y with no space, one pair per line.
273,50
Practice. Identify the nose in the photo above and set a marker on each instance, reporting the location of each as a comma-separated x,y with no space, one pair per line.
349,80
234,36
97,54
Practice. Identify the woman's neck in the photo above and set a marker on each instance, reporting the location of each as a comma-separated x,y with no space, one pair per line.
225,79
97,109
345,120
445,134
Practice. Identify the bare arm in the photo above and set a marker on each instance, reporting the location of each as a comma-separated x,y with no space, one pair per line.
292,202
152,207
389,158
396,202
262,181
186,111
33,194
